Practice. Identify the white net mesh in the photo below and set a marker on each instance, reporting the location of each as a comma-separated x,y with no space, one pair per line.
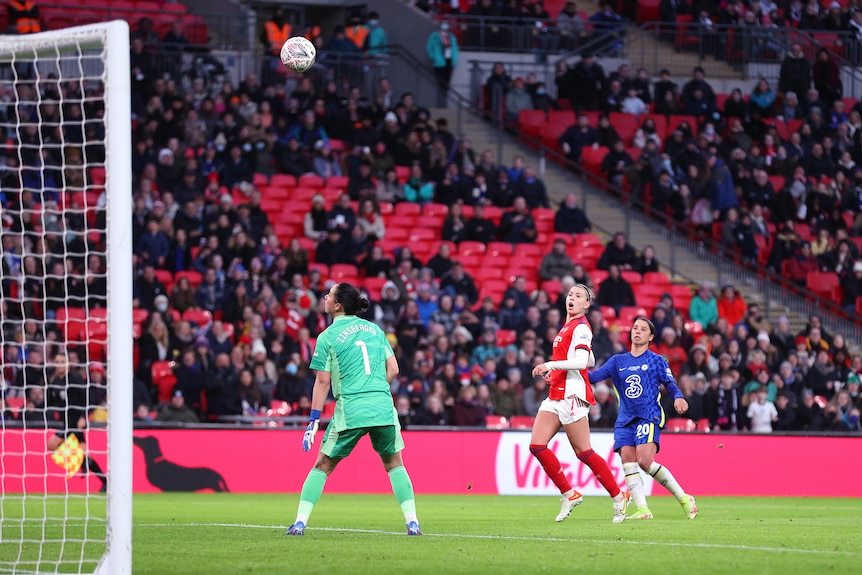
53,301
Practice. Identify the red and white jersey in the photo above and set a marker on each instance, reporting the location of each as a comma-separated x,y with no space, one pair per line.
575,335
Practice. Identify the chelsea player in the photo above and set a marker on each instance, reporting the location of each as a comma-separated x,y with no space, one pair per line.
636,377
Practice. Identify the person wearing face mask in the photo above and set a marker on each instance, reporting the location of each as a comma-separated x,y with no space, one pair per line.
291,384
376,42
542,100
442,50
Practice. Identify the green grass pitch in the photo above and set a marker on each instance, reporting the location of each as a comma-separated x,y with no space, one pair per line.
364,534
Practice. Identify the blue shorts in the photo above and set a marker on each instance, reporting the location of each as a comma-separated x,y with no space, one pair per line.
638,432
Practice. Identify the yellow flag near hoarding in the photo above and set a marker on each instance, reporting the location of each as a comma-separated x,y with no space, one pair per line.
69,456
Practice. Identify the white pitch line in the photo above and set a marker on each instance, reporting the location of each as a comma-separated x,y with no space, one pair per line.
521,538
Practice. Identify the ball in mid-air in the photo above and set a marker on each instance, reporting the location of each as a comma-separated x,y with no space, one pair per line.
298,54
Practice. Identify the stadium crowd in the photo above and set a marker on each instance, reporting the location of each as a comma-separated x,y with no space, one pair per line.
229,307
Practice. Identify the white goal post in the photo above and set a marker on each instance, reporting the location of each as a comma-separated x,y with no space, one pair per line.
51,518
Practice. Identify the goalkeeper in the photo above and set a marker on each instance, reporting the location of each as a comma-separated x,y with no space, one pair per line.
354,357
636,377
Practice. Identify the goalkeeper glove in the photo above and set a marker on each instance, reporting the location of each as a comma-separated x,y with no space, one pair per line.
308,437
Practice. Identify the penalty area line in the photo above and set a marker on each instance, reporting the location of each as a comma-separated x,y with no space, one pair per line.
523,538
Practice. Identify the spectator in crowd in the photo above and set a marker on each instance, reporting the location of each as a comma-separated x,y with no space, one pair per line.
616,162
517,225
646,261
467,411
517,99
442,51
826,76
851,283
618,252
417,189
577,136
704,307
589,77
177,411
731,306
532,189
801,264
556,264
795,73
457,282
479,228
615,291
570,218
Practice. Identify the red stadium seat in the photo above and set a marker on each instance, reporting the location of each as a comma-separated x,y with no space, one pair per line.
625,124
656,278
530,122
283,180
340,272
164,379
496,249
407,209
703,425
680,424
71,322
496,422
310,181
675,120
16,405
199,316
821,283
506,337
469,248
488,273
521,421
337,182
278,408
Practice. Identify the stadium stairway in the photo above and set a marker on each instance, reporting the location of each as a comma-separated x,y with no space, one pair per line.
643,49
608,216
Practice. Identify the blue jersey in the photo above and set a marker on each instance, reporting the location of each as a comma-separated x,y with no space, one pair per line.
636,384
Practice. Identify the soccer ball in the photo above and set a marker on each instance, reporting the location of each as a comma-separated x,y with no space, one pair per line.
298,54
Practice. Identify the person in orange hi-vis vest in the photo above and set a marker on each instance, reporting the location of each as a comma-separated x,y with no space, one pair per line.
23,17
357,32
275,33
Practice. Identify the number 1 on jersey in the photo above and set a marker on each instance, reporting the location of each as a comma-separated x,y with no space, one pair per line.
365,361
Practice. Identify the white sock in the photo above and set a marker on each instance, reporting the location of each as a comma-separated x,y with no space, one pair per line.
663,475
635,483
303,517
569,493
408,517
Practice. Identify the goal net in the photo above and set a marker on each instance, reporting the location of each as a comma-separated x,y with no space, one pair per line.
65,301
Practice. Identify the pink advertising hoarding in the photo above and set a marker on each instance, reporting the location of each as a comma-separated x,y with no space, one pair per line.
272,461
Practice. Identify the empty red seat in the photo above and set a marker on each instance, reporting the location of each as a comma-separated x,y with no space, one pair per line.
506,337
821,283
199,316
680,424
521,421
342,271
164,379
496,422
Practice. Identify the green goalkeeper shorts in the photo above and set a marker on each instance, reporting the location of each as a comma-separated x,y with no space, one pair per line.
385,439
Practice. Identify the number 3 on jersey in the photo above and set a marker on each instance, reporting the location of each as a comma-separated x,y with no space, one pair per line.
365,361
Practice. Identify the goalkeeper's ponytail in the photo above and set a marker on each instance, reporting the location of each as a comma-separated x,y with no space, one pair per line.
351,301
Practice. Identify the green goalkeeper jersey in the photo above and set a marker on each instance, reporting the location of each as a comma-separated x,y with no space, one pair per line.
354,352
